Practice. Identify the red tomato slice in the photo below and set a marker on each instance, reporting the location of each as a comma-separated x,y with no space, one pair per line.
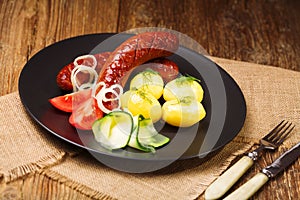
63,103
85,115
69,102
82,106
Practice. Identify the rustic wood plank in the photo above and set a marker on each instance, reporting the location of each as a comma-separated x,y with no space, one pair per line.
39,186
28,26
11,47
264,32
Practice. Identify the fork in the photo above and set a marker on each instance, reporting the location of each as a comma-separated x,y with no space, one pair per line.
271,142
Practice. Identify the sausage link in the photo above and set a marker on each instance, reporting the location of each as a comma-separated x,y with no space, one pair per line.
166,68
136,51
63,78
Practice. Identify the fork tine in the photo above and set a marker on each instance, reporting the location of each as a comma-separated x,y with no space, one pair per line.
273,132
281,131
285,135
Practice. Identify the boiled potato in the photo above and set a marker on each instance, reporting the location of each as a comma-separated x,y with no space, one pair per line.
183,113
140,102
182,87
149,81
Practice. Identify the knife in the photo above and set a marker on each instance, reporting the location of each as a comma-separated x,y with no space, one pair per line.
255,183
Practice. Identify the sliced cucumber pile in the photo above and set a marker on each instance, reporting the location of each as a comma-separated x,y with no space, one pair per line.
119,129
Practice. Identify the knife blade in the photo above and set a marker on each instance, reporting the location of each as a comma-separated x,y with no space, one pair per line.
255,183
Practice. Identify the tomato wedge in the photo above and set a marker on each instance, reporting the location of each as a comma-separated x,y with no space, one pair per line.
85,115
83,107
63,103
69,102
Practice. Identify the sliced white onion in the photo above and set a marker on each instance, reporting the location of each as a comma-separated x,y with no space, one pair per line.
93,76
86,56
101,95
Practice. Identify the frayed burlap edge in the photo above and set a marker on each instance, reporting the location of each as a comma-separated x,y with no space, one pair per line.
29,168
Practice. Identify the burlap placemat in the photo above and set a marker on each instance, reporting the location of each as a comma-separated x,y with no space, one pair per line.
271,94
24,146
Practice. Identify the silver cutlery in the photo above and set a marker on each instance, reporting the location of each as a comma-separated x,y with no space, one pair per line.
271,141
256,182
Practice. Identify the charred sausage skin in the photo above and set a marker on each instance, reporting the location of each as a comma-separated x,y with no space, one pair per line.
63,78
166,68
133,52
136,51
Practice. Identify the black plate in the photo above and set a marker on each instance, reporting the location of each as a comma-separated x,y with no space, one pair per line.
223,101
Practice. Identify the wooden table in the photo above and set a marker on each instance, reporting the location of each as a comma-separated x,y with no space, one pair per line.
264,32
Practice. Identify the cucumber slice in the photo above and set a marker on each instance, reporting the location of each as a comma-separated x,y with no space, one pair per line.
149,136
134,142
144,136
114,130
118,129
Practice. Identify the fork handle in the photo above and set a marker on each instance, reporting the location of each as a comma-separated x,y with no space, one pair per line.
249,188
220,186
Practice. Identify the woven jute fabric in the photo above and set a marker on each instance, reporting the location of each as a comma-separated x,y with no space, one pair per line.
24,145
271,94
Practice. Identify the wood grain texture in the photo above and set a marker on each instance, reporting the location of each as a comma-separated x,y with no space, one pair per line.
265,32
27,26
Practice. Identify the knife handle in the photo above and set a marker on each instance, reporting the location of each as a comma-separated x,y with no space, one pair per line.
249,188
219,187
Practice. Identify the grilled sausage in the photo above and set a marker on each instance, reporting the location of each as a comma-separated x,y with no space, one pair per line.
63,78
136,51
166,68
